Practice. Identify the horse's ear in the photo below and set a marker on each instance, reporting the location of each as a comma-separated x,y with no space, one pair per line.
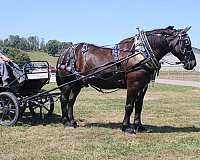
170,27
186,29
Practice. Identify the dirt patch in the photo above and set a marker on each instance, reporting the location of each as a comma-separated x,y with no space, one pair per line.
152,97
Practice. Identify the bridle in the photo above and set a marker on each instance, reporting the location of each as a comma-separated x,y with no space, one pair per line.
185,45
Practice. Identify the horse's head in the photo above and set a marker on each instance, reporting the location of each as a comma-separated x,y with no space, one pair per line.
180,46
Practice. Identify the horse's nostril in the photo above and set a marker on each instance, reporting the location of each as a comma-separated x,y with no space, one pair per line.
190,65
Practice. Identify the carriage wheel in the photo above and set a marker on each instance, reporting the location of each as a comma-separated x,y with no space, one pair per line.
9,109
44,105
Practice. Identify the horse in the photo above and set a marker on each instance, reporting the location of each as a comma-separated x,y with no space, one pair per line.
135,61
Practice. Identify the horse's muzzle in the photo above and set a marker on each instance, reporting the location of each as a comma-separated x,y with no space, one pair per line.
190,64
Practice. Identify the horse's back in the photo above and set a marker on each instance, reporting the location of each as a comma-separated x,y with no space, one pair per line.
86,59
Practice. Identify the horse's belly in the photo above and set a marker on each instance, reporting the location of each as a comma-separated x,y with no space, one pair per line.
107,84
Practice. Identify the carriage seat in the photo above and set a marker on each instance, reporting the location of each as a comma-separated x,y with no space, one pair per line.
36,71
38,74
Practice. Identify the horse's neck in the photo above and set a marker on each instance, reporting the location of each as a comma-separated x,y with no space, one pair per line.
159,46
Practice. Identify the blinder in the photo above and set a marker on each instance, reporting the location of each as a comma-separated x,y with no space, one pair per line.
185,43
189,60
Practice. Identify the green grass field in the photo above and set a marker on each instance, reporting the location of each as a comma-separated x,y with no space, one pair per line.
172,112
41,56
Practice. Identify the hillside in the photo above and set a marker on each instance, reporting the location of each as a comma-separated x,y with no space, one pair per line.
42,56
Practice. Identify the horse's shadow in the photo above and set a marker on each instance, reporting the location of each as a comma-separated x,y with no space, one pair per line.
56,119
152,128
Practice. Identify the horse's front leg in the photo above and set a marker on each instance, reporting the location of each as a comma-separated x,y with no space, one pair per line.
72,98
64,107
138,110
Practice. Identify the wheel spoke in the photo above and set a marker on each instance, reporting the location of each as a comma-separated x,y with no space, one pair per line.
12,110
2,115
46,108
8,102
10,118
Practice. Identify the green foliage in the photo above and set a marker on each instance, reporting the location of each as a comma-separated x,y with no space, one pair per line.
16,55
52,47
63,46
1,43
43,46
25,44
33,42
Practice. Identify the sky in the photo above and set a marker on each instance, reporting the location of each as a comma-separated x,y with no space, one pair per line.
102,22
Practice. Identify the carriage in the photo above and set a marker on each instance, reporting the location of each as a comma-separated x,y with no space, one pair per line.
16,97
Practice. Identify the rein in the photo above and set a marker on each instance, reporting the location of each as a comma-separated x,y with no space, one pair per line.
102,91
172,63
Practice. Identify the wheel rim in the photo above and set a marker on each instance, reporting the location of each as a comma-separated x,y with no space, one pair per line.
9,110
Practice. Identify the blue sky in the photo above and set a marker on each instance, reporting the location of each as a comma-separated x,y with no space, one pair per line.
96,21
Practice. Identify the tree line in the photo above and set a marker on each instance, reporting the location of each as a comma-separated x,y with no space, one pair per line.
33,43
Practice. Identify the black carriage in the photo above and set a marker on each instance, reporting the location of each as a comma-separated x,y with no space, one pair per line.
14,98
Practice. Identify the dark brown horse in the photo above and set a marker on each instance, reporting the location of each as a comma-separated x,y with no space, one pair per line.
135,59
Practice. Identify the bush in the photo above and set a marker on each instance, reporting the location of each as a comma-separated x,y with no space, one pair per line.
16,55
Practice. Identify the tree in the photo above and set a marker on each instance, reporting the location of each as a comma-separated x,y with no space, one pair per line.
16,55
1,43
6,42
14,41
43,45
53,47
33,42
63,46
23,44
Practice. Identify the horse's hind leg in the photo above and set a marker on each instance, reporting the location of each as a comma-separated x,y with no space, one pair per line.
138,109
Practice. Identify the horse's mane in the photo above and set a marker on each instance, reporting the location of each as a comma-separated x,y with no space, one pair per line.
165,31
126,40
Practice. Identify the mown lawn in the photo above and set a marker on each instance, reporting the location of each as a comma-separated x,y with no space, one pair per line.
172,112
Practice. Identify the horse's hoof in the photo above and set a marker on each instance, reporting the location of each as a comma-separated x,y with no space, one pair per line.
128,130
74,123
140,129
70,125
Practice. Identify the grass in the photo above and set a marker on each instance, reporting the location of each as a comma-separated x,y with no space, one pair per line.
42,56
172,112
180,75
